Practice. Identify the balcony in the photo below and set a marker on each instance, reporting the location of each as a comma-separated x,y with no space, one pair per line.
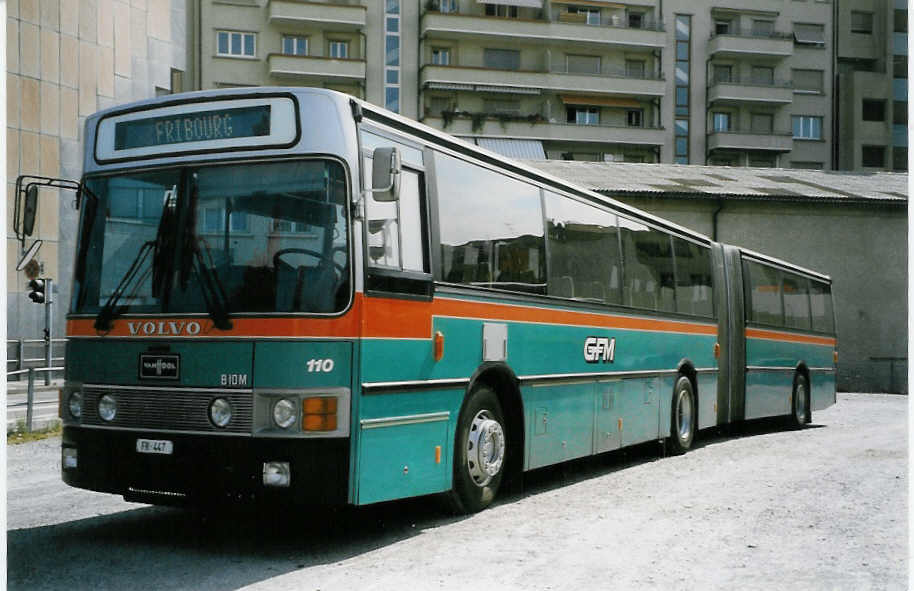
750,92
746,43
340,15
481,78
314,70
463,26
776,141
536,128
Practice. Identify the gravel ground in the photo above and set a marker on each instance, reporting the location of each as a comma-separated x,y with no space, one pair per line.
820,508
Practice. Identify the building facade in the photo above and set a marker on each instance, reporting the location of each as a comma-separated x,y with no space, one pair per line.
872,85
744,83
67,59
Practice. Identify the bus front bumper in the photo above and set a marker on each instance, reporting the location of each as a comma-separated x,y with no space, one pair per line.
204,469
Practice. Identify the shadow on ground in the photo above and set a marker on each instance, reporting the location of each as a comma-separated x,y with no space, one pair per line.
168,548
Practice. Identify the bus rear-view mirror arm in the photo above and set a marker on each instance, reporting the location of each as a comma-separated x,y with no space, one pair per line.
385,174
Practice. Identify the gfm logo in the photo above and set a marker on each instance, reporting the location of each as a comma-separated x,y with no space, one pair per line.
599,349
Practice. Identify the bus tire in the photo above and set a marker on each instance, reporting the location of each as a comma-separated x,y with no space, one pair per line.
799,402
683,417
479,453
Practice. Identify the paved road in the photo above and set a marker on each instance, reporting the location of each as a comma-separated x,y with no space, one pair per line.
820,508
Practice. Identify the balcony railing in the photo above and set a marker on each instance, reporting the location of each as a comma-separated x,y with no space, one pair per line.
750,81
564,18
755,33
750,139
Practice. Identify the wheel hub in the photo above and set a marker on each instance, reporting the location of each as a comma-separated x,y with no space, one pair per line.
485,448
684,410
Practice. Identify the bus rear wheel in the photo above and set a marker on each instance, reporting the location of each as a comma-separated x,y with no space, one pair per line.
683,417
480,452
800,402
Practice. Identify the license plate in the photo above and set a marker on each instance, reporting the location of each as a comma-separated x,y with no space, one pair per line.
154,446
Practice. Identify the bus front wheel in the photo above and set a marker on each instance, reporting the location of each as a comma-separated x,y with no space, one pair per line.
480,452
683,417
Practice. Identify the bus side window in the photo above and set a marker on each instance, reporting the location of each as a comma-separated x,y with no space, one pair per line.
693,278
764,290
584,260
796,301
395,236
820,301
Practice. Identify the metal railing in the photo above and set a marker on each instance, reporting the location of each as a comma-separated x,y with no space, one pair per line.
749,81
29,403
21,362
755,33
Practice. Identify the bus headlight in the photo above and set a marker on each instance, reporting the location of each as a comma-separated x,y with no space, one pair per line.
220,412
107,408
75,404
284,413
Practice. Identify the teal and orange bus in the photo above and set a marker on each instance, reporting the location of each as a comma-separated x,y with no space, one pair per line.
292,295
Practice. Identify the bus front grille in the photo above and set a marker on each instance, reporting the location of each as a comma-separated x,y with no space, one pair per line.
169,410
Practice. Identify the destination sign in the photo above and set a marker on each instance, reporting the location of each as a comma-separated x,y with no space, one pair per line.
199,126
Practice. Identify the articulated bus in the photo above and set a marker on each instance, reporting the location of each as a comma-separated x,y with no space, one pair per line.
291,295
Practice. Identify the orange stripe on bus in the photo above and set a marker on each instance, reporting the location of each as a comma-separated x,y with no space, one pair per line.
394,318
770,335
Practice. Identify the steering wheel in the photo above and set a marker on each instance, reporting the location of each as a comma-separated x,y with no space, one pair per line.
318,255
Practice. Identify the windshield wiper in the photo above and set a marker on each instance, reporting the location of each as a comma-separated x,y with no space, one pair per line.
163,244
192,259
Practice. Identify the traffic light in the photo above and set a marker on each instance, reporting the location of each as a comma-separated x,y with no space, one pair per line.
37,287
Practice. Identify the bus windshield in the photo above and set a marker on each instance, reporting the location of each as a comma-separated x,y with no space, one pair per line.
258,237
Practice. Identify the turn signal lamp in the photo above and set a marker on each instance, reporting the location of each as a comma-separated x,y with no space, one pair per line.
716,350
439,345
836,357
319,413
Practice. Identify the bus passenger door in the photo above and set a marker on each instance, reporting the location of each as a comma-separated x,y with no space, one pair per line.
731,392
403,429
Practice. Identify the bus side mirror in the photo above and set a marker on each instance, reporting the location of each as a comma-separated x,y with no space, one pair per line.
385,174
30,210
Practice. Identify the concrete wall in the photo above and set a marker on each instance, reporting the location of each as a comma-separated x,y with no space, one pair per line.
67,59
863,249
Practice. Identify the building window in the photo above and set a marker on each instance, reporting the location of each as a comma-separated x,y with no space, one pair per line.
584,115
722,27
445,6
292,45
392,53
899,159
502,59
441,56
339,49
590,16
806,127
861,22
235,44
683,36
635,117
501,106
873,156
721,122
635,68
900,66
582,64
636,20
808,81
900,112
501,10
901,20
809,34
873,110
762,28
763,75
761,161
762,123
807,165
722,73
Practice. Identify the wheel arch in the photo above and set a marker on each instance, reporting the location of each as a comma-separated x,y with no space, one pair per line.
803,370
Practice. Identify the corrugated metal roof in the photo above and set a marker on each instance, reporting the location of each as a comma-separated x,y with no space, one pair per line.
703,182
520,149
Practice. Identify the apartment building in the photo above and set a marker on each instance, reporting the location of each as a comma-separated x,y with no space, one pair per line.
738,82
872,84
